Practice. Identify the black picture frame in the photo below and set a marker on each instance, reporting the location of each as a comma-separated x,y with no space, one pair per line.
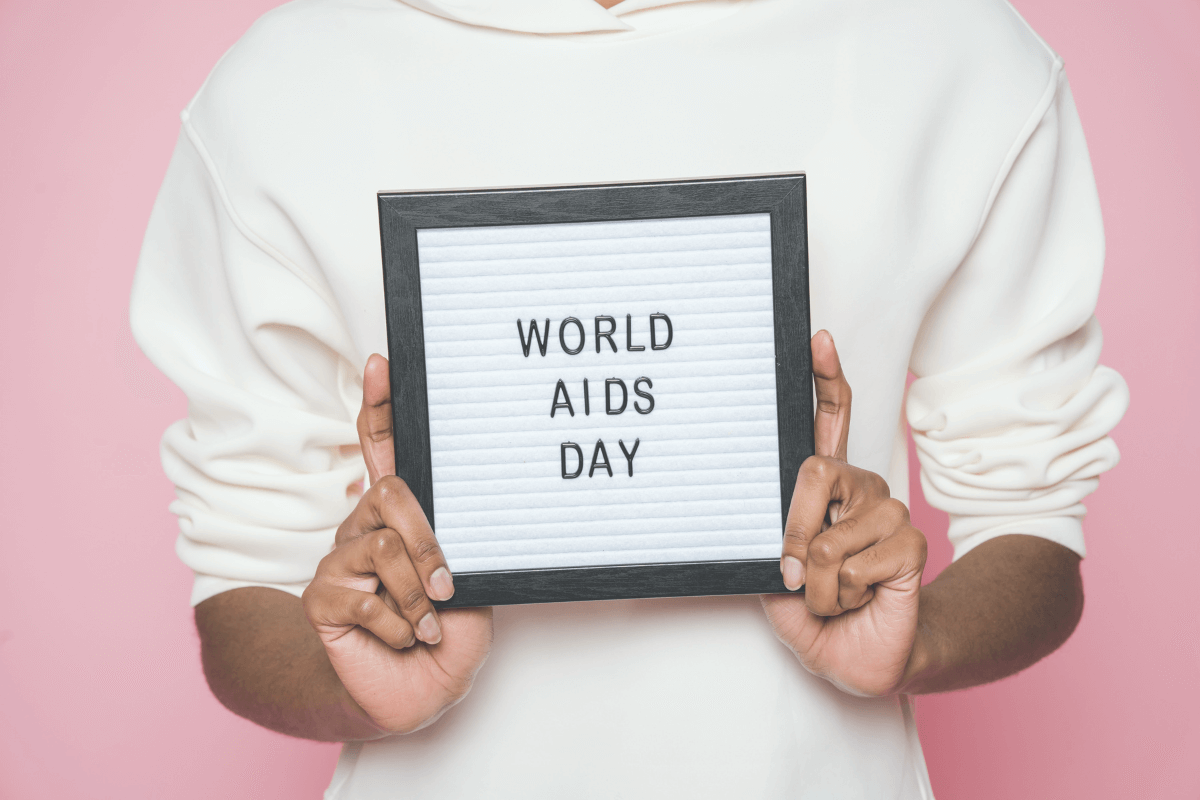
783,197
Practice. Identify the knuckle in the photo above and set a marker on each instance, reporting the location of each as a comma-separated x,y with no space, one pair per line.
794,536
424,550
824,551
380,434
835,397
390,488
896,513
412,600
321,574
367,608
821,468
326,568
384,542
851,575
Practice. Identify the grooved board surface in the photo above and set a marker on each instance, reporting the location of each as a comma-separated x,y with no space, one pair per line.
706,472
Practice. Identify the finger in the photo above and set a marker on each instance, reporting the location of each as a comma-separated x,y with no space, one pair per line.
381,557
853,534
335,606
375,420
821,482
815,488
810,499
390,504
806,514
900,554
831,423
390,562
387,598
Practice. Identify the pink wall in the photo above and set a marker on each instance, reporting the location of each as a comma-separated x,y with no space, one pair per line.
100,689
1113,714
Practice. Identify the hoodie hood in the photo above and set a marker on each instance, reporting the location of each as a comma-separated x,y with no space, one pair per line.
539,16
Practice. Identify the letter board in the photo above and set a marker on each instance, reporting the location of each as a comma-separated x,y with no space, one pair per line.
602,392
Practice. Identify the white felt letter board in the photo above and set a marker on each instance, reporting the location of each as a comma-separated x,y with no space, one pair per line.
601,391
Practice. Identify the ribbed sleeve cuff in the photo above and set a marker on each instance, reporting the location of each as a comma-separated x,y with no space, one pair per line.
967,533
206,586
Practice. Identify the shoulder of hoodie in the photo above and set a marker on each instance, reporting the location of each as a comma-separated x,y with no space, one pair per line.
973,72
980,45
296,64
301,41
306,58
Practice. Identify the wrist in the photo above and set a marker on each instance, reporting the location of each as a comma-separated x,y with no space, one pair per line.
922,664
927,658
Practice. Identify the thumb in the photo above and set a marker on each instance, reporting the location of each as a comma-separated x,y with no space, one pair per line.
831,423
375,420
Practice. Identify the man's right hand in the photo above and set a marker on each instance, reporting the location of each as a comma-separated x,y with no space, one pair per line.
401,661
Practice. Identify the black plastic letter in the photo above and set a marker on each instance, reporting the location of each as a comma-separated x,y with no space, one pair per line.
629,454
599,451
578,454
587,400
562,335
608,384
647,395
543,339
629,345
564,403
654,345
608,334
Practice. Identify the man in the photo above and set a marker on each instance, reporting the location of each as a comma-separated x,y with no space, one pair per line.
954,231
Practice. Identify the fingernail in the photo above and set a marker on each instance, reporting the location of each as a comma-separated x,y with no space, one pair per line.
441,584
428,630
793,573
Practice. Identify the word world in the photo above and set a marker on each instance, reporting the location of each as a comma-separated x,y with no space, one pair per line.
578,334
572,338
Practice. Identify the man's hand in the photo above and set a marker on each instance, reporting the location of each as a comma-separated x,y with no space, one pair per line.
864,622
365,654
851,547
996,610
401,661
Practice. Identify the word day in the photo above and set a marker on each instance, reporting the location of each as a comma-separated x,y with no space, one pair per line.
572,338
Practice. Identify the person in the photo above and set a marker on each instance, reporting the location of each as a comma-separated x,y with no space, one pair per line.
955,232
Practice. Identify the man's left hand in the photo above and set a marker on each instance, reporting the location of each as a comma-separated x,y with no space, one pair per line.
850,545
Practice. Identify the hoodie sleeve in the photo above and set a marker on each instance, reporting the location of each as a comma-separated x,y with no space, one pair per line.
1011,411
267,461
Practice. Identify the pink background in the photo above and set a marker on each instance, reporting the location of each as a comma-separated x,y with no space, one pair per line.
101,693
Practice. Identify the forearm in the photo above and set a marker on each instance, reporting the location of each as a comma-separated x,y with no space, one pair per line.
1003,606
264,662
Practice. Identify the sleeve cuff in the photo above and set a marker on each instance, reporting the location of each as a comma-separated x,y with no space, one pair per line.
206,586
967,533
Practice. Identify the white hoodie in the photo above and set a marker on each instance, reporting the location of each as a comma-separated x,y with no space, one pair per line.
954,233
